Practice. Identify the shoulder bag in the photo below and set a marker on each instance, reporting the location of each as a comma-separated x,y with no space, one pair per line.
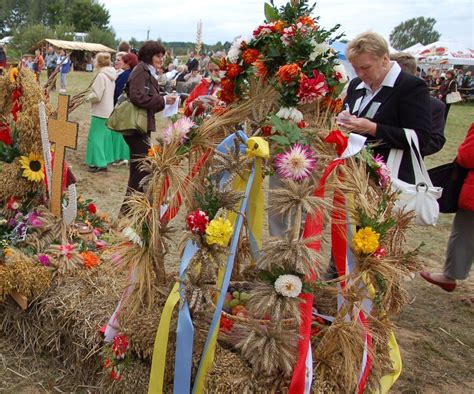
420,197
453,97
450,177
127,118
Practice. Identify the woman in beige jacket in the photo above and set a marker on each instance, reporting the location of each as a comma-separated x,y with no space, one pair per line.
100,151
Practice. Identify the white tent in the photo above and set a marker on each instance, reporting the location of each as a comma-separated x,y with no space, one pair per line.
446,52
414,49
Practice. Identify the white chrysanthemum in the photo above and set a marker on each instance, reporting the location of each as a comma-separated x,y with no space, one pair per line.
290,113
234,51
340,73
288,286
318,49
132,236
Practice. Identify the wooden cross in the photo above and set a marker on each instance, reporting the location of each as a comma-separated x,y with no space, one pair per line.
63,134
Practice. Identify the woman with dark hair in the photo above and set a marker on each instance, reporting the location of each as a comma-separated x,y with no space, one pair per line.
144,92
448,86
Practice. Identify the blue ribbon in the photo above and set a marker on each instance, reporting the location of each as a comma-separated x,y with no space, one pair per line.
184,331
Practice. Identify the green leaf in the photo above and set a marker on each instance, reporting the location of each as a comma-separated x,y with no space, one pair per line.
271,13
280,139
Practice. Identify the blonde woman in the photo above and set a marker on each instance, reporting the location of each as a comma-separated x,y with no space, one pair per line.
99,142
383,100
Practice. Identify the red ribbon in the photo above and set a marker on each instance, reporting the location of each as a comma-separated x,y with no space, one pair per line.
365,374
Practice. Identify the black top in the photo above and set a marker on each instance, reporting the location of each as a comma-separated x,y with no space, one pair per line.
406,105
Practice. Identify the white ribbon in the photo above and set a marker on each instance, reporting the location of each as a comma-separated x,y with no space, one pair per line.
46,145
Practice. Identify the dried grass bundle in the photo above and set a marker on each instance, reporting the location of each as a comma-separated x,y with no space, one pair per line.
269,349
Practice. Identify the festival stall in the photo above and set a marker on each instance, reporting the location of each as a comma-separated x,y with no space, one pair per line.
450,53
219,279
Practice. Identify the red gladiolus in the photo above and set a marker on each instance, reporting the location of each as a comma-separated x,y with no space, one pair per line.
92,208
5,134
233,70
338,138
250,55
312,88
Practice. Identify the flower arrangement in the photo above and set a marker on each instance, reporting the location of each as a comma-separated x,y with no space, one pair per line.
116,357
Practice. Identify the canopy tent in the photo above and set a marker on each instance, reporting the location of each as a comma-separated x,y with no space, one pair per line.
74,46
414,49
446,52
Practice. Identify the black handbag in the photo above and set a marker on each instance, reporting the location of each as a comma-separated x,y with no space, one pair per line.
450,177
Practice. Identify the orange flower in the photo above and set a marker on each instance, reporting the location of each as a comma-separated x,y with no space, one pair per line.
90,260
250,55
279,26
306,20
223,63
288,73
154,151
262,71
233,70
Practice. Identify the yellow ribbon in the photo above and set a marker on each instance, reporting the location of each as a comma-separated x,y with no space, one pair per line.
256,147
161,343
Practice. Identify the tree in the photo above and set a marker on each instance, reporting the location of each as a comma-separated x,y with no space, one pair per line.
84,14
412,31
105,37
28,36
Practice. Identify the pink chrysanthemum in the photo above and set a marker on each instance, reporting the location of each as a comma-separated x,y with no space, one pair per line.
296,163
178,130
382,171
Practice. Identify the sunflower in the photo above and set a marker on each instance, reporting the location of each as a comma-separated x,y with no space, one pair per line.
33,166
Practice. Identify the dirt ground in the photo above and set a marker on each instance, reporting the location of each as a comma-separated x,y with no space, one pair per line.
434,331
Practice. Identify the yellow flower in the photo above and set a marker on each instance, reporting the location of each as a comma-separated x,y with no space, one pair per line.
32,167
219,232
366,241
7,252
13,74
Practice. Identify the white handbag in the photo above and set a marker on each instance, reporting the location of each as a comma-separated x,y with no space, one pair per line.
420,197
453,97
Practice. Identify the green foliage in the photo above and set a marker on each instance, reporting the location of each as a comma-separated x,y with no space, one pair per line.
412,31
64,32
377,221
84,14
288,133
291,13
209,201
100,36
28,36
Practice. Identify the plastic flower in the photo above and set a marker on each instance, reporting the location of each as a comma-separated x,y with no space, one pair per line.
219,232
5,134
250,55
312,89
288,286
382,171
43,259
32,167
290,113
366,241
288,73
178,130
90,260
92,208
197,221
13,203
119,346
296,163
132,236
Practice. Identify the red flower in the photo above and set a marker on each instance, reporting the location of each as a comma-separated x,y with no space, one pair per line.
107,363
115,374
380,253
226,324
226,94
261,69
233,70
5,134
302,124
288,73
119,346
197,221
250,55
92,208
13,203
16,94
267,130
312,88
338,138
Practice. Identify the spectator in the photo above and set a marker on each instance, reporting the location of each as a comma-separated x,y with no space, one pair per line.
167,60
192,63
161,77
208,87
193,77
466,82
408,64
460,250
176,61
65,64
203,62
3,59
123,46
118,64
143,91
448,86
459,77
38,64
171,72
51,60
99,142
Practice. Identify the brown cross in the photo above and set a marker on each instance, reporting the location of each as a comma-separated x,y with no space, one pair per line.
63,134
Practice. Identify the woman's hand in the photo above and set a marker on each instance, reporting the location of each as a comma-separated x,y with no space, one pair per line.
360,126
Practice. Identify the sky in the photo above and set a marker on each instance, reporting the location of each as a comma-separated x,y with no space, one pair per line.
223,20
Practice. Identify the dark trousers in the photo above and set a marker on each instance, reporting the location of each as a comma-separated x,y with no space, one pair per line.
53,86
139,145
446,111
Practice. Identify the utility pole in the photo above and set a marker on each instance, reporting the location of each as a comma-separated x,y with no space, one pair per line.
148,34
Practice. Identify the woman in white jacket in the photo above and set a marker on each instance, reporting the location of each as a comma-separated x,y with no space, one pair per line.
99,142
